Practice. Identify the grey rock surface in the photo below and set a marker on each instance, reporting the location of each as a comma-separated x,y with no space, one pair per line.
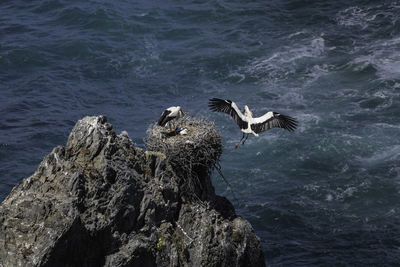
101,201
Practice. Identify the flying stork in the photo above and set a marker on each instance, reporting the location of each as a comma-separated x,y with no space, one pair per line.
171,113
248,124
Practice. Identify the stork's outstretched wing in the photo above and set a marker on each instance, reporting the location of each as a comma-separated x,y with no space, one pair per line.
229,107
271,120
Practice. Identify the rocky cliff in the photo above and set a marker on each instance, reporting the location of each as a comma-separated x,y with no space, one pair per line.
101,201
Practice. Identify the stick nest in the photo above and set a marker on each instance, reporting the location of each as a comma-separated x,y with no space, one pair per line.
201,144
192,155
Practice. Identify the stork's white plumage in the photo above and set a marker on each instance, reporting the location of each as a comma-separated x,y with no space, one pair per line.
171,113
248,124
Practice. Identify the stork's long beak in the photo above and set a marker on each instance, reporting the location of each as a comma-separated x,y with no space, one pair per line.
183,113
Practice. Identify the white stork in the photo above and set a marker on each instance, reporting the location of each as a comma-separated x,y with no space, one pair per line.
171,113
248,124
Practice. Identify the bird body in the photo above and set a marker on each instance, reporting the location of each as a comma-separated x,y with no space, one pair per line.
171,113
246,122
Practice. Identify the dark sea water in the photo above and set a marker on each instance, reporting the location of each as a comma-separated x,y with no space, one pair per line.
326,195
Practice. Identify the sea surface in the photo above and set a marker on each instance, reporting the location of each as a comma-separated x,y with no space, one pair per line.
327,194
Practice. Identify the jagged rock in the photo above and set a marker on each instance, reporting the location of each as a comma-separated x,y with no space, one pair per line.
101,201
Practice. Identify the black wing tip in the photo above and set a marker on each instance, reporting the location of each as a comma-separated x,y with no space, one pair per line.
215,100
290,123
215,104
219,100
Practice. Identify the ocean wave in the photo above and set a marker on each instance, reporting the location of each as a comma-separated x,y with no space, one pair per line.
380,56
317,71
293,99
308,121
287,61
355,16
391,153
338,191
386,63
377,101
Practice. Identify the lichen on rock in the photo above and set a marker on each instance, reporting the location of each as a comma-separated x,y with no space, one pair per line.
102,201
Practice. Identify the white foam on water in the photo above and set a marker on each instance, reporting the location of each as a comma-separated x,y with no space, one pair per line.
383,55
346,193
329,197
307,121
345,168
342,193
292,98
355,16
394,41
383,155
318,70
388,67
385,60
315,72
312,187
390,213
385,97
387,64
387,125
143,14
351,136
299,35
236,77
285,62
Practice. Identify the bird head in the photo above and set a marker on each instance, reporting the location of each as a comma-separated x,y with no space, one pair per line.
247,111
180,111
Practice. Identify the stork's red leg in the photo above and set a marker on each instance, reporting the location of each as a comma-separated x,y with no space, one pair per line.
237,145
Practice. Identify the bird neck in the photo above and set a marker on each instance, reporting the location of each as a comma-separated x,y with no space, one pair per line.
247,112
